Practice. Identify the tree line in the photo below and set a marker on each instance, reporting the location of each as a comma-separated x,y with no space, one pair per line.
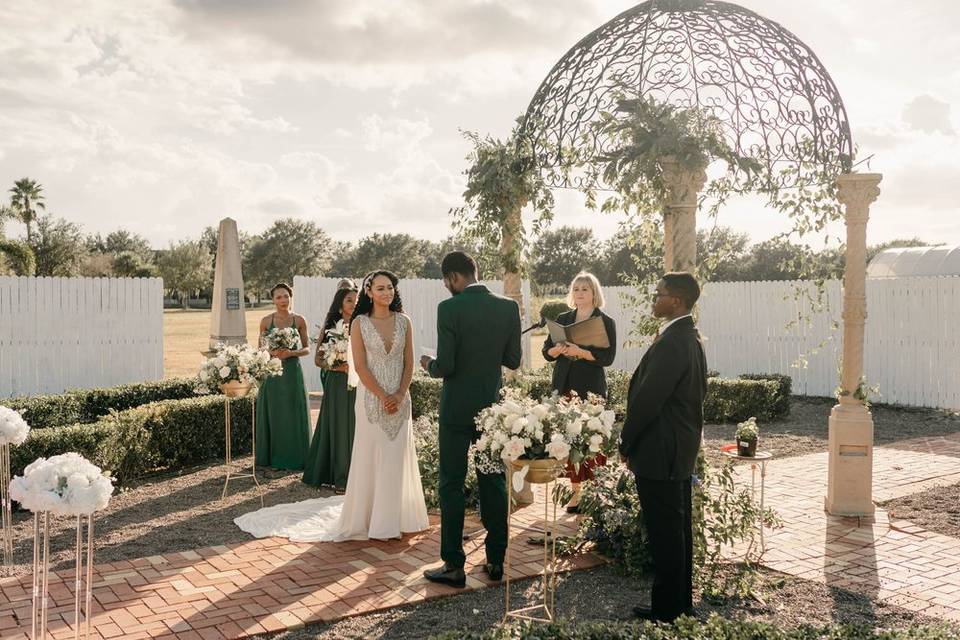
58,247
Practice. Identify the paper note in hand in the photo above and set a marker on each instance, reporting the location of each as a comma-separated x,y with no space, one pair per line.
430,353
586,333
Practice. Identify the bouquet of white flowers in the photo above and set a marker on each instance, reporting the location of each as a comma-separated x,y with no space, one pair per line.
336,344
288,338
556,427
241,362
67,484
13,428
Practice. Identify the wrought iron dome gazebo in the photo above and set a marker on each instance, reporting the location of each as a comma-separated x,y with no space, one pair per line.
769,90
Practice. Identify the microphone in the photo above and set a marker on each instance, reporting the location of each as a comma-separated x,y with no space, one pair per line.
536,325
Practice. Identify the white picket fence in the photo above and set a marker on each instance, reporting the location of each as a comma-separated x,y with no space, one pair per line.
912,343
63,333
420,300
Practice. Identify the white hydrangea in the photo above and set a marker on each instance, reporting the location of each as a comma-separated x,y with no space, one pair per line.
66,484
13,428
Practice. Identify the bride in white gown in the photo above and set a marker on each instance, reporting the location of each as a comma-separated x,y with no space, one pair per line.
384,496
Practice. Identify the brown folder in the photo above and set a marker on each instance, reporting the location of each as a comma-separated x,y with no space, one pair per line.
586,333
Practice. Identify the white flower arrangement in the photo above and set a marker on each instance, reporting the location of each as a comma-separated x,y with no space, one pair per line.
336,344
556,427
286,338
13,428
67,484
748,431
241,362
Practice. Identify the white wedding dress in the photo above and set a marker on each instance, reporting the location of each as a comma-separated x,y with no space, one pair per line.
384,496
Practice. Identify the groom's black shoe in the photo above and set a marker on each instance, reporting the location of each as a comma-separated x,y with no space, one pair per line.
453,576
494,571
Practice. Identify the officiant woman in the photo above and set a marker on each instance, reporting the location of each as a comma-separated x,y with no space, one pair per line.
581,369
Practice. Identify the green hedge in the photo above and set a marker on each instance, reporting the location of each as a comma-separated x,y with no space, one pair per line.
735,400
89,405
728,399
553,308
165,434
715,628
781,407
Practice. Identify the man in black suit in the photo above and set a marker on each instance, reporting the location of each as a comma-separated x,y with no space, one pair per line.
660,439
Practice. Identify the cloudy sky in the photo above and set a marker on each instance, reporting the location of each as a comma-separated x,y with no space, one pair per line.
163,116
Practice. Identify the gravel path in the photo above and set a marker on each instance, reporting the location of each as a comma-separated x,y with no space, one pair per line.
603,594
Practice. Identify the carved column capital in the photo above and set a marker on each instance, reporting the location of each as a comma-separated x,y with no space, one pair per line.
857,191
683,184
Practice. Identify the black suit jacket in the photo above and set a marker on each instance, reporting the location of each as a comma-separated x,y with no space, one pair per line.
583,376
664,423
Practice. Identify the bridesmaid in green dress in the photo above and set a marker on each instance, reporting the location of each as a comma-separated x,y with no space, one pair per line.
328,461
283,419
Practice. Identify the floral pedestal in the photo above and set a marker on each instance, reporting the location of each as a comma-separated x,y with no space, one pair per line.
543,472
64,485
236,389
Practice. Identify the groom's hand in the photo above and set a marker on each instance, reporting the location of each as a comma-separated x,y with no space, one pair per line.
425,363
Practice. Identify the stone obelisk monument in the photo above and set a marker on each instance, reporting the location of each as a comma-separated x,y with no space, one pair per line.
228,320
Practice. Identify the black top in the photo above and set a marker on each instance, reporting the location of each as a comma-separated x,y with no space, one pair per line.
583,376
664,422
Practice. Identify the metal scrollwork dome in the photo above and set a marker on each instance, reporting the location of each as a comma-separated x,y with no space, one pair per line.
773,96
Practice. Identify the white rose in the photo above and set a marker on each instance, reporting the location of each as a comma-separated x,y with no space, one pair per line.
574,428
596,440
518,425
594,424
541,411
558,449
224,372
608,418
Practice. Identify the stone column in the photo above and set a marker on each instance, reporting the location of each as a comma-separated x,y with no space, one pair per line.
680,215
850,471
228,322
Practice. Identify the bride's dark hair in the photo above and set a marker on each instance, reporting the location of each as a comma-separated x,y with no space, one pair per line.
365,302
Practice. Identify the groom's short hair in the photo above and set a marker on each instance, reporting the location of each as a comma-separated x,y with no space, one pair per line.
683,285
458,262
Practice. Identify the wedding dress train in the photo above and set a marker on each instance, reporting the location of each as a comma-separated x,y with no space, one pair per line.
384,496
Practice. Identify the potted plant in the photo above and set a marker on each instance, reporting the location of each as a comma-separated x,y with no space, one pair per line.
747,434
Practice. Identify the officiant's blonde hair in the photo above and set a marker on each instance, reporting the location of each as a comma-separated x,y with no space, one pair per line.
590,279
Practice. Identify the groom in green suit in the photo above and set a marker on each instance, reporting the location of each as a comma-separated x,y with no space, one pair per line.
478,332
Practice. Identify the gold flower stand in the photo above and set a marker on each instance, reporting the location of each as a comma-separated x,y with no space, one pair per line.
235,389
544,472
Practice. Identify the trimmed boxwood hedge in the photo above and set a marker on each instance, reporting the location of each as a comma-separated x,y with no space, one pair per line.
89,405
781,408
173,433
715,628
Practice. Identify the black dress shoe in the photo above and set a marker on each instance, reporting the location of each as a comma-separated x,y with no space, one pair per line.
453,576
494,571
644,614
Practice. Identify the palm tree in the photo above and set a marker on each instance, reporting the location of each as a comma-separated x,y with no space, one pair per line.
27,194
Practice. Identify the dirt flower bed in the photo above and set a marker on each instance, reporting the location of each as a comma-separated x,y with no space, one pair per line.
936,509
603,594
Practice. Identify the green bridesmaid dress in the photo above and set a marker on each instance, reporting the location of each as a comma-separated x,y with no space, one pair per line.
328,461
283,419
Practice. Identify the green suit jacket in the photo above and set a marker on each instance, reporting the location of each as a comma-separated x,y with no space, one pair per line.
478,332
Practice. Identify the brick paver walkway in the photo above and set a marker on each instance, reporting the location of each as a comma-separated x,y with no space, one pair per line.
894,561
266,585
269,585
